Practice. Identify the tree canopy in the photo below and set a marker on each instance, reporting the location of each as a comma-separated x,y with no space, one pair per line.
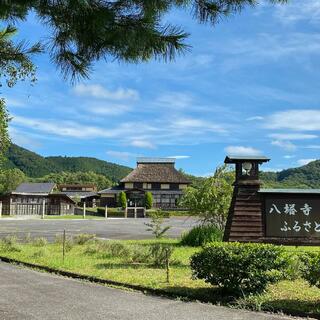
211,200
83,31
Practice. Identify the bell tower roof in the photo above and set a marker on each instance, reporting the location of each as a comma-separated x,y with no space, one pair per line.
236,159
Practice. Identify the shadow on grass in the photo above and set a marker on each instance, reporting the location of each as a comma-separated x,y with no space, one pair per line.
293,307
136,265
213,295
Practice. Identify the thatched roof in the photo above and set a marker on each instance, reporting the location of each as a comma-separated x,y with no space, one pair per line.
156,171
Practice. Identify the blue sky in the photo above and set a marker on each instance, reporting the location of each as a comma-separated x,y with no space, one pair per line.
250,85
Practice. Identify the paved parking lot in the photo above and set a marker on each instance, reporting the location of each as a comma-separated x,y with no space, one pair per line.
129,229
31,295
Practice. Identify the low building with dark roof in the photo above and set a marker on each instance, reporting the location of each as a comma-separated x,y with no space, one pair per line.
36,199
80,193
156,175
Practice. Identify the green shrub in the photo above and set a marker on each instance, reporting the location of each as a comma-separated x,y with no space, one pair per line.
83,238
39,253
122,201
295,267
39,242
311,272
200,235
9,243
240,268
159,254
148,200
138,254
68,245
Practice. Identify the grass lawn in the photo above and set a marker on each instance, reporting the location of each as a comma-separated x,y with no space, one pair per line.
91,258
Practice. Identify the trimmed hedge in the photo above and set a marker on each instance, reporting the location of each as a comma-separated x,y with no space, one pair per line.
238,268
311,272
200,235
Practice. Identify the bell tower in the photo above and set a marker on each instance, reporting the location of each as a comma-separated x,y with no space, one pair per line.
244,221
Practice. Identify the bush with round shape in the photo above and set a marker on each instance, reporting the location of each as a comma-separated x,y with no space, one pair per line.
240,269
311,272
201,235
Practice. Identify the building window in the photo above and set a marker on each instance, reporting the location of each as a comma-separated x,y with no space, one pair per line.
128,185
138,185
182,186
165,186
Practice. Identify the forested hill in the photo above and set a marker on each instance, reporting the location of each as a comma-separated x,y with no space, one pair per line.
34,165
307,176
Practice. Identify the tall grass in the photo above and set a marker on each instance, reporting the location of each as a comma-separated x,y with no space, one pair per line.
200,235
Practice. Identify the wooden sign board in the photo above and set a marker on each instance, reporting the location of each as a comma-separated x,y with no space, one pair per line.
291,217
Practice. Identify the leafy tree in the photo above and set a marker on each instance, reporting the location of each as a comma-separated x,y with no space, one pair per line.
148,200
156,224
132,31
212,199
10,179
122,200
77,177
15,64
4,135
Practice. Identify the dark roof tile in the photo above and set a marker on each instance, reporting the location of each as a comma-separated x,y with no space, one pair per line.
155,172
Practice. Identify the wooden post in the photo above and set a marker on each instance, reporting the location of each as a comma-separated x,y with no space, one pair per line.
106,212
135,212
43,207
167,266
10,207
0,209
84,210
63,245
126,212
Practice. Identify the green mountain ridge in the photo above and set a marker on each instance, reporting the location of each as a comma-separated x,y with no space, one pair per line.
307,176
36,166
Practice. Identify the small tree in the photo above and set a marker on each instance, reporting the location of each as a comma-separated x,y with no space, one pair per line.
156,224
122,202
211,200
148,200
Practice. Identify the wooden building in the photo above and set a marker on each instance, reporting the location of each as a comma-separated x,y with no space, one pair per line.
81,193
156,175
36,199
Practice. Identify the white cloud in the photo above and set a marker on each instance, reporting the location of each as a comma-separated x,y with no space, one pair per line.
270,169
242,151
142,144
299,11
178,100
179,157
297,120
292,136
313,146
22,139
285,145
255,118
303,162
11,102
121,155
266,48
289,156
98,91
147,134
193,123
108,109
